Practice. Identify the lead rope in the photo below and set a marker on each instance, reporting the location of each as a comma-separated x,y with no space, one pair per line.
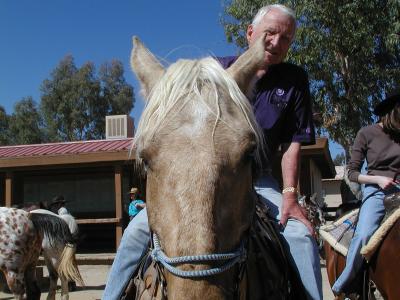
232,258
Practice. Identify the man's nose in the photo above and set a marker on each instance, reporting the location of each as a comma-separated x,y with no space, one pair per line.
274,41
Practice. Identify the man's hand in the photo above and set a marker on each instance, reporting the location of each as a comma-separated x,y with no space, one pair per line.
140,205
292,209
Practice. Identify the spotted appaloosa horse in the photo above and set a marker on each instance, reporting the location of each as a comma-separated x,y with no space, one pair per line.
22,235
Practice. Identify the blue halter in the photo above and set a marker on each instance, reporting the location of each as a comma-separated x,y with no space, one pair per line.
231,259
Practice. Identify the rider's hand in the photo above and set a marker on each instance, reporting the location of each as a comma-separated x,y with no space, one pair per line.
292,209
384,182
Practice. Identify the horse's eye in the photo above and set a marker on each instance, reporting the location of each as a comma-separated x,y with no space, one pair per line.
144,159
145,164
250,153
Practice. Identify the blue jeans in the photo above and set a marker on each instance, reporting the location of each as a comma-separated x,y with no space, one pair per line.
133,246
371,214
302,247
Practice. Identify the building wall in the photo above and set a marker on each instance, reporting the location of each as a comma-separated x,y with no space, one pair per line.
87,193
331,189
2,190
315,181
90,192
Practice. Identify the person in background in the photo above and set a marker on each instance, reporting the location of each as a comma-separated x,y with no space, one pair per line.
56,203
135,204
57,206
379,145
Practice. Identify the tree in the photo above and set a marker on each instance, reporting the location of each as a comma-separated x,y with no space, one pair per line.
351,50
66,97
75,101
116,93
25,123
4,137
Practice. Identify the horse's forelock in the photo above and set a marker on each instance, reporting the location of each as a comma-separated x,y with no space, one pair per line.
186,77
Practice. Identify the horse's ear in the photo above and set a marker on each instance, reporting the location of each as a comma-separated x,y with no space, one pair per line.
245,68
146,67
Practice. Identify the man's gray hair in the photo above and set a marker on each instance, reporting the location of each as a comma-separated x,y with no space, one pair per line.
267,8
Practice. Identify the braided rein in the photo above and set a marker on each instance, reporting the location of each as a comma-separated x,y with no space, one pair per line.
238,256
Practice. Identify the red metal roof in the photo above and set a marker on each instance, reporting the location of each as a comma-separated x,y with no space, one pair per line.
66,148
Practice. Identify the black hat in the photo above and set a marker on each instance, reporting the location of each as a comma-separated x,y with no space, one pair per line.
57,200
387,105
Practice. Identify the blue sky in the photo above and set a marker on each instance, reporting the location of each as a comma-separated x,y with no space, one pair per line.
36,35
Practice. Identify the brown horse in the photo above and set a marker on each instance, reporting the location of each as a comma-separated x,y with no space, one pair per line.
198,139
382,268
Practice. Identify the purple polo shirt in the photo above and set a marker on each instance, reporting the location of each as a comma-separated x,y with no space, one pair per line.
282,105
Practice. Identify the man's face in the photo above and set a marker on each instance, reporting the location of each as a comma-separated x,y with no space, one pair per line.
279,29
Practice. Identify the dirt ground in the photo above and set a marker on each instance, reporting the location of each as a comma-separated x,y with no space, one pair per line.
95,277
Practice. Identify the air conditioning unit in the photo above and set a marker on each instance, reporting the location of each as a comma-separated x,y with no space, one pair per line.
119,127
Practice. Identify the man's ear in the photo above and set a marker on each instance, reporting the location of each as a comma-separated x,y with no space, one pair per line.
249,32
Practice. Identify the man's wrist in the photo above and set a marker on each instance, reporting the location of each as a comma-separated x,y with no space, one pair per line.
289,189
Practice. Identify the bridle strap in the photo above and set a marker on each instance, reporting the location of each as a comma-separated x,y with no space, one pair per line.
238,256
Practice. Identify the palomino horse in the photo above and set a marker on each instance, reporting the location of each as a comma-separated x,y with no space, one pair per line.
382,269
198,139
23,235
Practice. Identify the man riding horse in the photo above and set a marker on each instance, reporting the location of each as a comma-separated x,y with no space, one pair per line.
282,107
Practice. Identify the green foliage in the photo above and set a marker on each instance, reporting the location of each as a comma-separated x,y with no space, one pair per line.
74,104
116,93
75,101
4,136
351,50
25,123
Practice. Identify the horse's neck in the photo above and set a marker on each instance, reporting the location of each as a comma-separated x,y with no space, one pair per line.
215,287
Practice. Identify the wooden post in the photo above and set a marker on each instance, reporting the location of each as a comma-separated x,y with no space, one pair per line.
118,203
9,186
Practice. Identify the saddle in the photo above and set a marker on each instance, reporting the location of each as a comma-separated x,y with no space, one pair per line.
266,274
391,203
148,283
339,233
392,207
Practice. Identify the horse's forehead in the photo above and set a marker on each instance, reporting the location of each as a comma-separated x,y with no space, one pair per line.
194,120
204,111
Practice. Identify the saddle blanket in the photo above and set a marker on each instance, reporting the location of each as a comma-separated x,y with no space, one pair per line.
368,250
339,233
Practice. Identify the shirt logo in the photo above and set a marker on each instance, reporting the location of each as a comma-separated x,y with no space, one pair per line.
280,92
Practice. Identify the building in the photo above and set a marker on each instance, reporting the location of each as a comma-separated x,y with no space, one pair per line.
331,188
95,176
316,166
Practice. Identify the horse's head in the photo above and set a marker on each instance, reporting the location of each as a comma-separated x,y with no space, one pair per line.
198,139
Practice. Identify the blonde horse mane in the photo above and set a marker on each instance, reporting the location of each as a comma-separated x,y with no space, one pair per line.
186,77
